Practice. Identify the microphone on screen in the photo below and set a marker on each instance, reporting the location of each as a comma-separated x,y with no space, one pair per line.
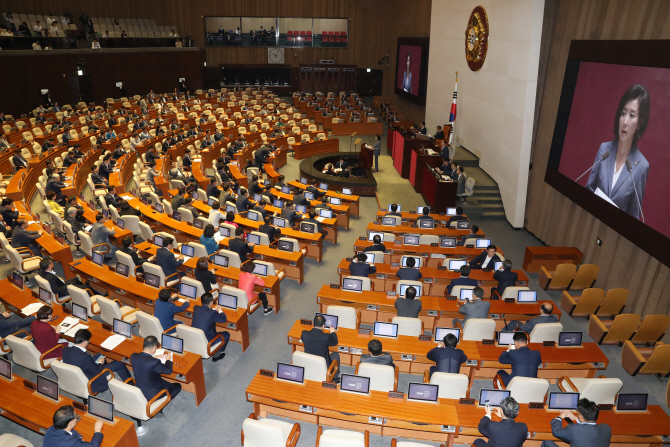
630,167
603,158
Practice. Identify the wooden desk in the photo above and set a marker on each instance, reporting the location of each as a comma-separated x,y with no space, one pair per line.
413,216
341,211
439,195
395,251
550,257
304,150
352,201
407,229
182,231
291,262
240,178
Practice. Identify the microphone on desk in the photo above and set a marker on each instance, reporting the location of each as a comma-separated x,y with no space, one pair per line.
630,167
603,158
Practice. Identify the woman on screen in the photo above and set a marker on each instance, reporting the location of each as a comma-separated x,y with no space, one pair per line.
407,77
622,176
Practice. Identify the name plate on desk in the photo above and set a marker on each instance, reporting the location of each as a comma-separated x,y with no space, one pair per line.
375,420
356,351
548,343
349,259
509,300
30,385
397,242
106,326
231,326
266,373
451,298
441,267
423,338
494,316
471,362
395,264
408,357
329,385
488,342
364,332
79,406
605,407
334,286
412,212
372,307
448,428
66,310
381,276
432,313
396,395
343,349
428,281
535,405
415,226
306,322
305,408
434,244
392,294
466,402
362,238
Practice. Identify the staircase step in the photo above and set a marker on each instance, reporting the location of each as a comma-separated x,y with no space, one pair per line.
488,199
493,215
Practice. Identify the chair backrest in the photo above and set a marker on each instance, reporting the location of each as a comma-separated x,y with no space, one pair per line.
157,270
585,277
242,298
24,353
456,290
44,284
382,377
614,302
315,366
513,291
601,390
11,440
427,239
342,438
145,230
412,327
81,297
398,220
199,289
528,389
479,329
265,240
545,332
233,258
129,400
451,386
108,310
622,328
296,245
346,316
149,325
194,340
658,362
367,282
652,329
86,243
71,379
563,275
588,302
262,433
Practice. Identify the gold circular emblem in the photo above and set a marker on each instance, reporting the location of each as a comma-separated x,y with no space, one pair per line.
476,38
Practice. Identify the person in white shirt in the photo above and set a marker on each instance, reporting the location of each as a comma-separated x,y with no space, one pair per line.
215,216
486,259
106,35
53,27
95,45
145,135
135,141
38,28
36,46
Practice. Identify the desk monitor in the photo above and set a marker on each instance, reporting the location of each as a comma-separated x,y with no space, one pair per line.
278,203
455,265
172,343
527,296
466,294
346,191
404,287
306,227
494,397
355,384
105,213
440,332
152,280
199,224
372,235
426,223
632,402
304,181
159,207
279,222
482,243
45,296
211,200
463,225
498,265
370,257
47,387
417,261
563,401
230,208
411,239
290,373
60,239
17,280
260,269
385,329
144,200
506,338
285,246
91,204
331,320
6,369
326,214
225,232
252,216
397,211
335,201
80,312
422,392
101,408
302,209
451,212
419,210
188,290
447,242
323,185
352,284
220,260
570,339
122,269
120,223
286,190
257,197
176,215
195,195
158,241
389,221
309,195
228,301
122,328
254,239
97,258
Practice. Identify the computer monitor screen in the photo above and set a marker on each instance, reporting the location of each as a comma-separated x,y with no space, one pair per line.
225,232
101,408
122,269
372,235
389,221
632,402
494,397
257,197
355,384
105,213
563,401
176,215
423,392
231,209
397,211
278,203
451,211
466,294
455,265
370,258
352,284
411,239
498,265
570,339
419,209
447,242
404,287
323,185
309,195
152,280
304,181
440,332
80,312
279,222
417,261
173,344
199,224
159,208
331,320
17,280
463,225
211,200
527,296
45,296
290,373
426,223
97,258
6,369
158,241
385,329
285,189
195,195
187,290
260,269
47,387
285,246
335,201
302,209
122,328
482,243
228,301
144,200
506,338
91,204
120,223
346,191
326,214
253,239
252,216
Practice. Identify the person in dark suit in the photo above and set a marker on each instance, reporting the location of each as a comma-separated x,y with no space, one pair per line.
254,187
299,199
459,216
288,213
423,130
447,358
4,228
486,259
165,309
312,219
138,260
71,218
408,306
69,159
524,361
204,275
212,190
126,210
316,342
111,121
272,231
314,189
57,284
474,229
439,135
505,277
240,246
341,164
63,434
507,432
426,216
205,318
111,198
460,178
409,273
22,238
464,280
18,159
78,356
376,356
178,199
96,178
358,266
545,317
10,323
377,244
583,431
243,204
166,260
148,370
394,211
475,308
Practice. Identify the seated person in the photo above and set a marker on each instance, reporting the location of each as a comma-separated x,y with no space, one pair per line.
583,431
507,432
53,204
408,306
475,308
394,211
463,280
313,188
240,246
409,273
166,308
376,356
46,336
459,216
426,215
127,248
447,358
358,266
271,230
56,283
63,434
377,244
505,277
317,342
474,229
312,219
205,318
127,210
546,316
149,370
524,360
486,259
207,239
205,276
165,258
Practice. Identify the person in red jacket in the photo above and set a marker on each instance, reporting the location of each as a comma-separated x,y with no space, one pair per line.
45,335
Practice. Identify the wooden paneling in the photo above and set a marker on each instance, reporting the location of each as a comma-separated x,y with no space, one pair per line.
551,216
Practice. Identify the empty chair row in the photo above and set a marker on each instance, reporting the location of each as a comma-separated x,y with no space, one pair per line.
568,277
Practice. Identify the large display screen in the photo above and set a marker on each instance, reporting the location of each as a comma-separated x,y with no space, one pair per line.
412,69
609,150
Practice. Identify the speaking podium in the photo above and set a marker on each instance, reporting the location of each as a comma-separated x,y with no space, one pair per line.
365,157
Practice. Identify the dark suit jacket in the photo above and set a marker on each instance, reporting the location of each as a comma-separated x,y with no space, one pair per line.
166,260
243,204
479,260
316,191
460,189
456,218
19,161
524,361
136,258
582,435
57,284
340,165
408,308
147,371
461,282
383,359
409,274
212,191
23,238
376,247
105,170
76,357
55,186
447,360
505,433
505,278
290,215
205,319
14,323
272,232
240,247
528,327
316,342
300,199
61,438
112,199
361,269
